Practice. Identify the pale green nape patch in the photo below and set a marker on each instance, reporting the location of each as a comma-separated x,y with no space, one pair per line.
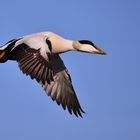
76,45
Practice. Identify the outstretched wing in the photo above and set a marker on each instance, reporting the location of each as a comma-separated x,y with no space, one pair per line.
61,89
51,74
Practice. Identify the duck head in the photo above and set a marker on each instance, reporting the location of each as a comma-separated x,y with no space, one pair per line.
87,46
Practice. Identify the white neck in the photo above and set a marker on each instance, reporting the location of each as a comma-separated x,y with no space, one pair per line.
59,44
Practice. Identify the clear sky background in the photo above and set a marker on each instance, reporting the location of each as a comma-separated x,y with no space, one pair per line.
108,87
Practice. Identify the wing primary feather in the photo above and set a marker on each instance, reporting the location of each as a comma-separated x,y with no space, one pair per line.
26,57
30,64
75,112
32,67
33,73
44,75
26,62
79,113
54,91
49,89
40,73
69,105
24,67
47,76
37,70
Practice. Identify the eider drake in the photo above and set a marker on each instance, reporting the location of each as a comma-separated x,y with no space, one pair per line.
38,56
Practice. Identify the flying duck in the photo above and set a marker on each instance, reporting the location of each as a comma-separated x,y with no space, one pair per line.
37,55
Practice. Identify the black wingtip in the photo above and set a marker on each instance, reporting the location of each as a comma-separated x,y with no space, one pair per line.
78,112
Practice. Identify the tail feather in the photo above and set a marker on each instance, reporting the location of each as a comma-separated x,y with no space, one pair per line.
6,49
3,57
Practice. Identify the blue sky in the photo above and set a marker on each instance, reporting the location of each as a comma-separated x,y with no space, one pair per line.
108,87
